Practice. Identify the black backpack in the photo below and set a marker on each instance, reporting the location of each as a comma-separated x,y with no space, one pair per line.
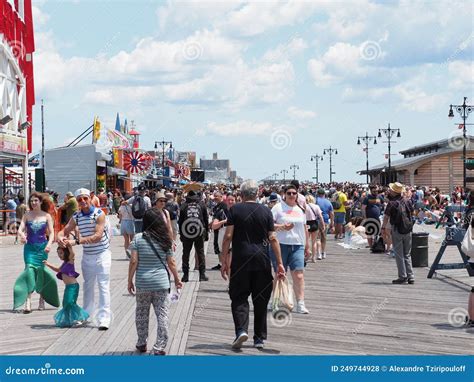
403,220
378,246
336,204
193,226
138,207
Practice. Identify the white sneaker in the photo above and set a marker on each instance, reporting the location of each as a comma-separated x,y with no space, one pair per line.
300,308
320,257
324,255
239,340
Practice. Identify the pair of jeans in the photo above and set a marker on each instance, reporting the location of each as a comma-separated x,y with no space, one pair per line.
198,243
259,285
96,269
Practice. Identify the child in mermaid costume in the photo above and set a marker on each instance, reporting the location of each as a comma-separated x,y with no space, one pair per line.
34,231
71,314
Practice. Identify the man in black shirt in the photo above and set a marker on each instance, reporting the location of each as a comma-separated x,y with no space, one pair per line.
250,229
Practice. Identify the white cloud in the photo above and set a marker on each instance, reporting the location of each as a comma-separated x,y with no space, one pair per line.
240,128
255,18
461,74
40,18
300,113
286,51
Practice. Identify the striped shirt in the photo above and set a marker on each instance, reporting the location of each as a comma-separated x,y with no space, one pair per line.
87,224
151,274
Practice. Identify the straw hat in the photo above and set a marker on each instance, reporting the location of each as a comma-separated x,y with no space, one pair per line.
396,187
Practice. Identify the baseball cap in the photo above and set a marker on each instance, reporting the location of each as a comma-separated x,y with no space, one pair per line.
273,197
321,191
82,192
70,194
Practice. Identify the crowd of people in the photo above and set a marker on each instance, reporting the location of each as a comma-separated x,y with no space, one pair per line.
259,232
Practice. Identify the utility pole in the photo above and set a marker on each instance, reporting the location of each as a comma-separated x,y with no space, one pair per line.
284,172
366,139
316,158
330,151
389,133
294,167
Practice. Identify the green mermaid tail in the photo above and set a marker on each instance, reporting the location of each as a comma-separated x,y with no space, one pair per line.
35,277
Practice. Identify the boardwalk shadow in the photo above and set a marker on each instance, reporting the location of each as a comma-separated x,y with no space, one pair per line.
228,348
447,326
45,326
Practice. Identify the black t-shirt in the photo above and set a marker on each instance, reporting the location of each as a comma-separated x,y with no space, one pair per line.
374,205
250,247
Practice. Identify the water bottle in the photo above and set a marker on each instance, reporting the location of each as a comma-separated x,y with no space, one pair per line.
175,296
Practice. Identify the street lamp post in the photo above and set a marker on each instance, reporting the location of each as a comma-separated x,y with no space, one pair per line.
316,158
275,175
284,172
163,144
294,167
367,139
329,151
463,111
389,133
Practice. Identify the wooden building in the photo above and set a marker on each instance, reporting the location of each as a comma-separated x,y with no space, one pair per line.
436,164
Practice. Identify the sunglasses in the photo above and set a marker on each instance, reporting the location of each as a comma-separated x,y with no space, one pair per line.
291,193
82,199
162,200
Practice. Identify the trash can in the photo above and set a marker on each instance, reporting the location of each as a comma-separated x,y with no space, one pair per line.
419,249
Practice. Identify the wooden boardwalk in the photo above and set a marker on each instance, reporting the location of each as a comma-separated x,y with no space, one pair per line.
354,310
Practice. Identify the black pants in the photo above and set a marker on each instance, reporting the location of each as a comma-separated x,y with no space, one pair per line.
259,285
199,248
217,250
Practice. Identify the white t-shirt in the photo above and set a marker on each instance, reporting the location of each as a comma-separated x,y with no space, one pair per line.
282,214
125,212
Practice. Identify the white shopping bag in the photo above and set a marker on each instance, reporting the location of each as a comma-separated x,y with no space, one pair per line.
283,296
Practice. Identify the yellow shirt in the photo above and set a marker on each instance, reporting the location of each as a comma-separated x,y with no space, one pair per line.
342,199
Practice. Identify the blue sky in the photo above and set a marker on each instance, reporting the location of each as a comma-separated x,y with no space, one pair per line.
264,84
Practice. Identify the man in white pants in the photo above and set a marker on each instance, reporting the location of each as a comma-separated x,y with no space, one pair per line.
96,259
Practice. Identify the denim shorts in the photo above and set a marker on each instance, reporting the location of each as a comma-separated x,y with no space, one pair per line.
291,255
339,217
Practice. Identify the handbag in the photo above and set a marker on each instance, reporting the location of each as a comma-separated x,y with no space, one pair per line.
283,296
467,245
159,257
314,225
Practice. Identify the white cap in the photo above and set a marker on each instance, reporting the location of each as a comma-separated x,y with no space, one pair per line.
82,191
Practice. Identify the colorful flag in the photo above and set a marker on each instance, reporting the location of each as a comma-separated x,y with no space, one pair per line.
96,130
461,126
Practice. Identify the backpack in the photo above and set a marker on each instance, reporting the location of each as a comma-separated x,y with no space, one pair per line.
336,204
192,226
378,246
138,207
172,208
403,221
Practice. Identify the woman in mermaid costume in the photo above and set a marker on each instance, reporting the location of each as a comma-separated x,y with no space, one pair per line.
37,232
71,314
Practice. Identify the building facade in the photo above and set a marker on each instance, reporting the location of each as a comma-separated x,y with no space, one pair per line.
437,164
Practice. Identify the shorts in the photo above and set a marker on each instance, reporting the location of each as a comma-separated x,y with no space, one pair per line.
291,255
339,217
138,226
127,227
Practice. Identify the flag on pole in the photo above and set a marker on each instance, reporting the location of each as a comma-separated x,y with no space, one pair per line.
386,156
461,126
96,129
